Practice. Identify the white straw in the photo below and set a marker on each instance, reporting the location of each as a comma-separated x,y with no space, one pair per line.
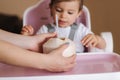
56,21
57,24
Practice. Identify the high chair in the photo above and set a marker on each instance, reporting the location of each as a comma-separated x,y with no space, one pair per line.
39,14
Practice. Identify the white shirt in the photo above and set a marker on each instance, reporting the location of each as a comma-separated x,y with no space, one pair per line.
81,32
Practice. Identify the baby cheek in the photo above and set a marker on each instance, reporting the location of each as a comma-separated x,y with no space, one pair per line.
72,20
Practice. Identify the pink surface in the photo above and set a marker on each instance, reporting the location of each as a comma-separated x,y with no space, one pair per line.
86,64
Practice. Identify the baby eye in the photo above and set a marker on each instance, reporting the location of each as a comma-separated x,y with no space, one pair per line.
70,12
58,10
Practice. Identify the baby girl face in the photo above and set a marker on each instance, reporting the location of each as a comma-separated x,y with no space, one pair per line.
67,12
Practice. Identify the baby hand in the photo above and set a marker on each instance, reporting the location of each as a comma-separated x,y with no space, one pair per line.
90,40
27,30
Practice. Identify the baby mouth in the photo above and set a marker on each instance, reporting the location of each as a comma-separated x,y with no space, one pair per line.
62,22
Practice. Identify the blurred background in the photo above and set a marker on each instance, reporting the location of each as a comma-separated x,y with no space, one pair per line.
105,16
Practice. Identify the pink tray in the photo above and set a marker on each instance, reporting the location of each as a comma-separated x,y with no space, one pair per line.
86,64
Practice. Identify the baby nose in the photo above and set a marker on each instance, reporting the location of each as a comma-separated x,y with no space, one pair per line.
63,15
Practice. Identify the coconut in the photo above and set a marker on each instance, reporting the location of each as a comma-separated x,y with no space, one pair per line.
54,43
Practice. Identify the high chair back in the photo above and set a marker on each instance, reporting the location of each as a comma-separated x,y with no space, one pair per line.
39,14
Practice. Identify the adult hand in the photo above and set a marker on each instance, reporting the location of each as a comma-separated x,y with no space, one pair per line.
55,62
37,41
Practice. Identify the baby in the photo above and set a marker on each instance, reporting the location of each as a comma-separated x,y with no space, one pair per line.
68,11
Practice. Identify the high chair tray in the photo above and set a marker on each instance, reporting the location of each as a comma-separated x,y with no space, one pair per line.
90,66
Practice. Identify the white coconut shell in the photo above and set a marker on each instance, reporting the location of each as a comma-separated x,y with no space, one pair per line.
54,43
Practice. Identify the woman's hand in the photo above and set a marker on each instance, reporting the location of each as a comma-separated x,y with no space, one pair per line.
55,62
37,41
